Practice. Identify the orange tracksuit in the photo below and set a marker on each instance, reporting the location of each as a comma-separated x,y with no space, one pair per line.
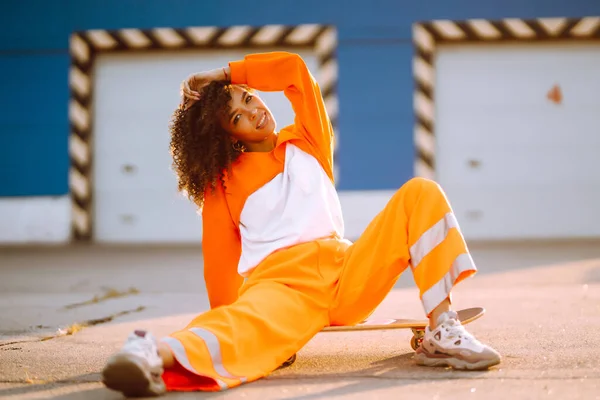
278,225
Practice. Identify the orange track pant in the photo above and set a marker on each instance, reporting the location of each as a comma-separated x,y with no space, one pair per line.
296,292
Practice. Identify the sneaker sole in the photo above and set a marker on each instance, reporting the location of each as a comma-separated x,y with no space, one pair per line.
132,376
456,363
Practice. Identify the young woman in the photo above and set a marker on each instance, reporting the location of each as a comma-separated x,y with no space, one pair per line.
276,264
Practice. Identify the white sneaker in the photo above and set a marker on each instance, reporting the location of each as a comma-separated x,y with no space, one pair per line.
449,344
136,370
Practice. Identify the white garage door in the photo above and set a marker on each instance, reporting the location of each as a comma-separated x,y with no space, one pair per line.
134,186
514,163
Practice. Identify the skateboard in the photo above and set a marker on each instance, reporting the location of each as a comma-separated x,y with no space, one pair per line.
416,325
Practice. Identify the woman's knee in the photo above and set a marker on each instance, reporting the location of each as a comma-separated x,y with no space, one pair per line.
420,184
418,190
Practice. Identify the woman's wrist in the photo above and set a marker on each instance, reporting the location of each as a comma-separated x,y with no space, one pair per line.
227,73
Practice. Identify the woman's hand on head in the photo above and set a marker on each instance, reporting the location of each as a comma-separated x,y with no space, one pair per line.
193,84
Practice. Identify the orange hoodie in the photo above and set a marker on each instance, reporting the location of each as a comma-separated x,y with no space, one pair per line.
311,132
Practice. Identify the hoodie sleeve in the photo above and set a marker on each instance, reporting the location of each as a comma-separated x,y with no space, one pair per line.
287,72
221,249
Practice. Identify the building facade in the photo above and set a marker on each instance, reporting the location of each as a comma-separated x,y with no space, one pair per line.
494,100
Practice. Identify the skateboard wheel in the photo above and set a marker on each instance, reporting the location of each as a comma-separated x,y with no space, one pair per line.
415,342
417,339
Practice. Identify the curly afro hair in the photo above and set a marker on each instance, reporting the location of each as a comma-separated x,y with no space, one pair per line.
202,150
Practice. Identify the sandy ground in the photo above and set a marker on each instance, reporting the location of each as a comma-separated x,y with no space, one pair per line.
542,302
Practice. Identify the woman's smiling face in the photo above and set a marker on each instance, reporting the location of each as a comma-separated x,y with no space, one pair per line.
248,120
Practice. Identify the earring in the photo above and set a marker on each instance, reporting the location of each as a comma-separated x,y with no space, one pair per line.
238,146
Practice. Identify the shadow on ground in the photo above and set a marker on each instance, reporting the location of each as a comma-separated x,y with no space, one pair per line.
381,375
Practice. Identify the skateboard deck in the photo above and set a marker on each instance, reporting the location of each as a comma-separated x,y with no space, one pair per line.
417,326
465,316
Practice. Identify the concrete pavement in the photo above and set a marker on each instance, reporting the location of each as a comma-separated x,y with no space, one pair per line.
543,315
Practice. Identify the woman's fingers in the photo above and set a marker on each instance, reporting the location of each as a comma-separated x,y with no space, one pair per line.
192,94
194,85
188,92
189,96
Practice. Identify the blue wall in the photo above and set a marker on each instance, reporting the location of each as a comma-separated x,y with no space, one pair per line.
375,61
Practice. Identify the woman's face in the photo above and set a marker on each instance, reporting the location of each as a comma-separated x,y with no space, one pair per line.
249,121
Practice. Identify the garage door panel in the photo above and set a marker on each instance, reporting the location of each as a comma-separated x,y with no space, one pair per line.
124,217
507,164
167,200
153,161
519,127
533,213
138,168
126,182
519,74
520,95
157,156
135,197
509,157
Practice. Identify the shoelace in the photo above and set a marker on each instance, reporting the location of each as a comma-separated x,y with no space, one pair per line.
455,329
